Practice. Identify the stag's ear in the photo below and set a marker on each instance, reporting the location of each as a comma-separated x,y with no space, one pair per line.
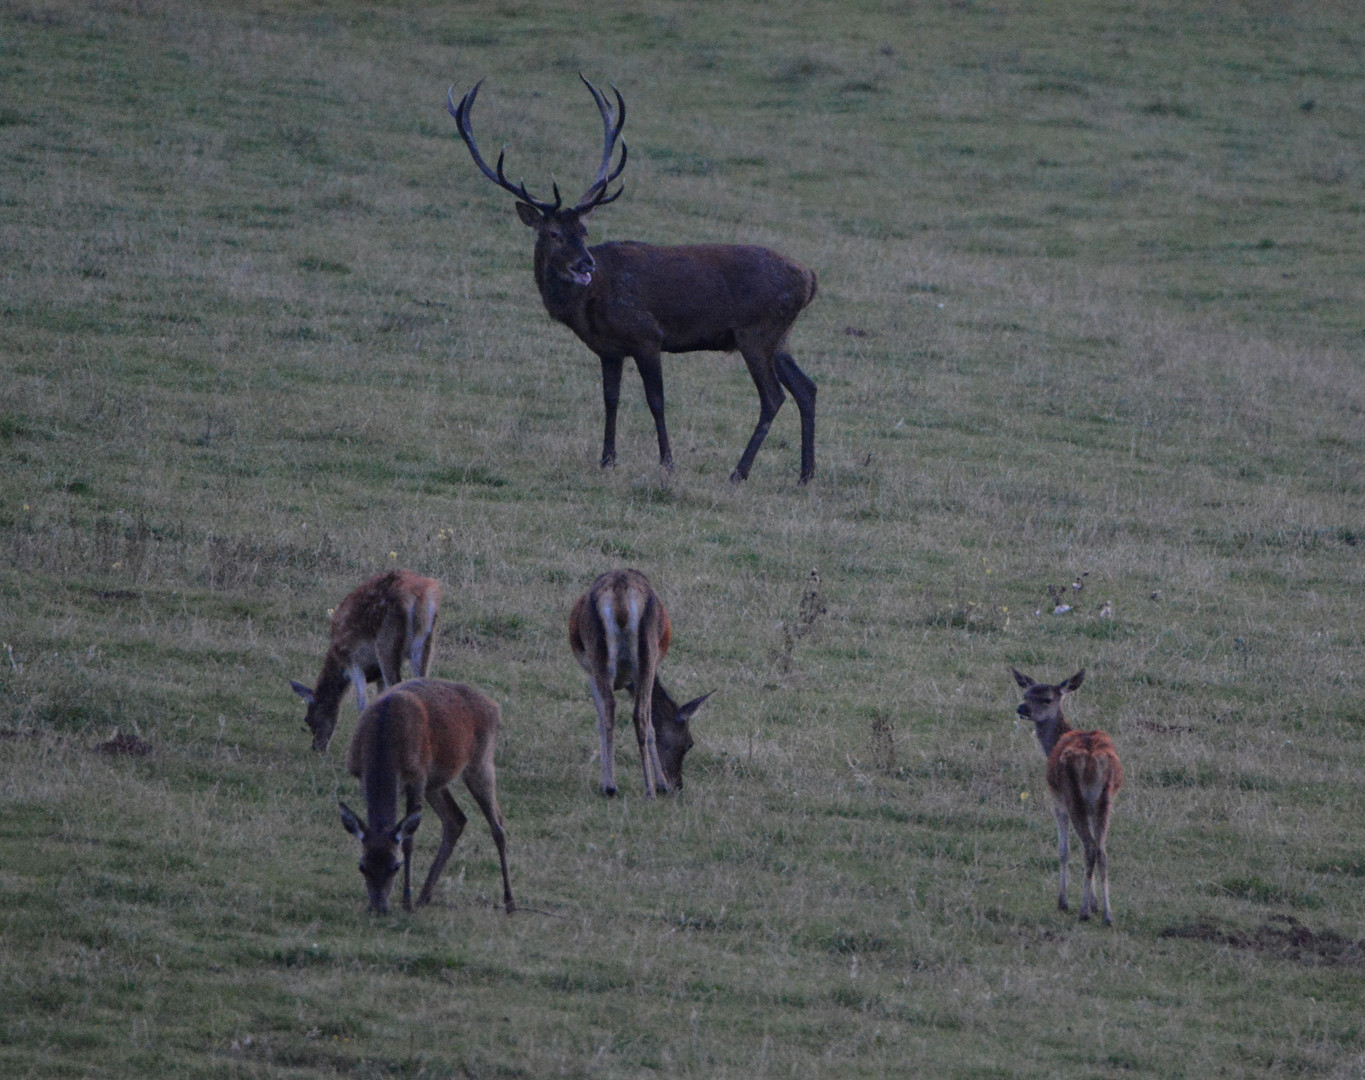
353,824
305,692
529,214
1022,679
1073,683
686,712
407,827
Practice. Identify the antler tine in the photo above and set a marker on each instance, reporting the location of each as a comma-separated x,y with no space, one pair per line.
462,122
596,195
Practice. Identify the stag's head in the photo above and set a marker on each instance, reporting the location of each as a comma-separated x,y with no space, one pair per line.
381,853
561,236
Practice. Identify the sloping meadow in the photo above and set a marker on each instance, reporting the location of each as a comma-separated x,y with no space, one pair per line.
1087,344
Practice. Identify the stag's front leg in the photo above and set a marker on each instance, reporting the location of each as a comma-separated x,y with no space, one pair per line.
652,375
1063,849
611,398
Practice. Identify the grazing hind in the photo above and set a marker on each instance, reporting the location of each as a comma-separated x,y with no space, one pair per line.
391,616
619,631
414,740
1084,774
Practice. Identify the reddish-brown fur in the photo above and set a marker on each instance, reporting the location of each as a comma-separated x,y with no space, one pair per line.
391,616
637,300
1084,775
414,740
619,631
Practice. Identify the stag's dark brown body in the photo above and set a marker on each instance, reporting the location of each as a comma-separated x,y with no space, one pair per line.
629,299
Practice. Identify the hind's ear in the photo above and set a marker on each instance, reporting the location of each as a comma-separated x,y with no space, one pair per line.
686,712
1073,683
1022,679
407,827
305,692
354,825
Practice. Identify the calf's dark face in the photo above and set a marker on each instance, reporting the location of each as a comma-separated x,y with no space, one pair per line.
380,865
382,854
673,735
674,740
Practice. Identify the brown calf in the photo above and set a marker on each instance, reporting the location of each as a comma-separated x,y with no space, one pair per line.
1084,774
414,740
391,616
619,631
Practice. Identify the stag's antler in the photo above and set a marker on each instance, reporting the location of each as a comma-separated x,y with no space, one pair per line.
461,114
596,195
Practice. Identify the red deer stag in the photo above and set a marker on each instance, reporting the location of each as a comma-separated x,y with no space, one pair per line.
619,631
391,616
640,300
1084,774
415,739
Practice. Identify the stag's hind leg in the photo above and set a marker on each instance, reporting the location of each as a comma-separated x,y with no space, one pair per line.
759,357
802,389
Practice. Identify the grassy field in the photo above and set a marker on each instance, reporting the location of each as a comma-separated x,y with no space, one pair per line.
1091,310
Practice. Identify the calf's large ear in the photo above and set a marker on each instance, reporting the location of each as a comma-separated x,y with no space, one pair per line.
1073,683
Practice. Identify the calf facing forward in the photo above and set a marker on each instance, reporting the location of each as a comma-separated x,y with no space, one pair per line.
1084,774
414,740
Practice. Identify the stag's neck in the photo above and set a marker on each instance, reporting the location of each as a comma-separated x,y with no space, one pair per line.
1049,731
563,299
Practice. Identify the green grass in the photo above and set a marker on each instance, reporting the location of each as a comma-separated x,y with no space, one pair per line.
1090,304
